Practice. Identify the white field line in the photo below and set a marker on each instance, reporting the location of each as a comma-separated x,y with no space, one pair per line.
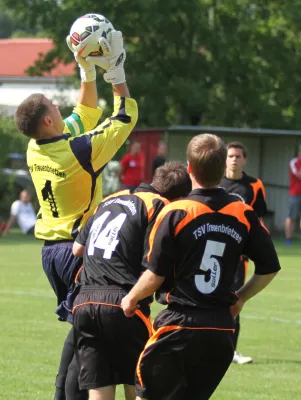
51,296
27,294
274,319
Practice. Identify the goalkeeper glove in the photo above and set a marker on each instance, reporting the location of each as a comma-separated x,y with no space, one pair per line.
87,69
114,60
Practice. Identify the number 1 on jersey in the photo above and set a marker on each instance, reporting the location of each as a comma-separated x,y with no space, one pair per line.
207,279
47,194
105,239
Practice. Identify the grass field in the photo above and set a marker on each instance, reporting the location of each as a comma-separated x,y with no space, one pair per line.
31,337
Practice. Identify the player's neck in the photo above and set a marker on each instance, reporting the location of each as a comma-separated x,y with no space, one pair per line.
234,175
196,185
49,134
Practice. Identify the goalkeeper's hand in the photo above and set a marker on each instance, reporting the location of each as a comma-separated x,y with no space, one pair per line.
87,69
112,62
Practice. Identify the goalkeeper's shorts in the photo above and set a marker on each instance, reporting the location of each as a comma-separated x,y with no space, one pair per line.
107,343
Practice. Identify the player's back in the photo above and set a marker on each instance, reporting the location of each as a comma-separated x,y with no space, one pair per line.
65,183
211,229
66,171
118,237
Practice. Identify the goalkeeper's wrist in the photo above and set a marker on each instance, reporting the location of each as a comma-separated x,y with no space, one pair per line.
87,76
114,76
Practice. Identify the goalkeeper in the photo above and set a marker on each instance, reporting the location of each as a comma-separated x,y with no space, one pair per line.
65,159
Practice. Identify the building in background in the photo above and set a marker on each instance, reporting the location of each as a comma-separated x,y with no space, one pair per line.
16,85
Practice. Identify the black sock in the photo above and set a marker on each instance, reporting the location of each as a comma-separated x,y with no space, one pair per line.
66,358
72,385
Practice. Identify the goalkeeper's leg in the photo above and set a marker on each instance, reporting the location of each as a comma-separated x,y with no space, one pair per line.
67,386
72,384
66,358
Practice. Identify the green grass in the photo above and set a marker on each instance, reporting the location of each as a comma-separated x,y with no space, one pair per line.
31,336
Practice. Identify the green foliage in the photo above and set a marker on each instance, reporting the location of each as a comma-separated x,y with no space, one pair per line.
11,141
6,25
216,62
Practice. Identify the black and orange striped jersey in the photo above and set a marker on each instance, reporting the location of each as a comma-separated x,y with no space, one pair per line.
196,244
115,237
249,190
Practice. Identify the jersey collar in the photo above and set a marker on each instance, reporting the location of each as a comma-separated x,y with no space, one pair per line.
244,176
54,139
207,192
145,187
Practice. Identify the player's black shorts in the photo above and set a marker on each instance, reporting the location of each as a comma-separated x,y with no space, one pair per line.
183,360
107,344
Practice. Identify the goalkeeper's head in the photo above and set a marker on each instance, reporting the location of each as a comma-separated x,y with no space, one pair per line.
38,118
172,180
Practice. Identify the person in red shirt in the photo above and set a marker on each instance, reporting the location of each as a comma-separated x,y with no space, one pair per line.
294,211
131,168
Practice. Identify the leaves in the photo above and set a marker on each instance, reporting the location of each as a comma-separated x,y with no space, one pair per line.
204,61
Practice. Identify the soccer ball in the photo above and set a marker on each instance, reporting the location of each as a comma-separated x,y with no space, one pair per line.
86,32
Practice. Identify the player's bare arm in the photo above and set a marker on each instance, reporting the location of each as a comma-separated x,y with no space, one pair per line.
146,286
88,94
78,249
254,286
121,90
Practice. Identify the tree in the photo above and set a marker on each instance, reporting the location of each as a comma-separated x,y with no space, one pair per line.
218,62
6,25
11,141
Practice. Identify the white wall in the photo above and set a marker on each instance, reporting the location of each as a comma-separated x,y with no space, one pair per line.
277,151
13,93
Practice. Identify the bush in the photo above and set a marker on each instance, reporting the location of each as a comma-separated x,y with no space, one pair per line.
11,141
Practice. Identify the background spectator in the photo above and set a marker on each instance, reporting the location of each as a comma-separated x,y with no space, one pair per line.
23,212
131,168
110,178
160,159
294,203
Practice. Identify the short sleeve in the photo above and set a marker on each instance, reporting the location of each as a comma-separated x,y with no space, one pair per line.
15,207
82,237
259,247
124,161
162,244
82,119
259,205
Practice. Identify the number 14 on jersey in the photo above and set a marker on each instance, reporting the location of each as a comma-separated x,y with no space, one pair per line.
105,238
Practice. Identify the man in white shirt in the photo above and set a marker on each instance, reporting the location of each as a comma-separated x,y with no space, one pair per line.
22,211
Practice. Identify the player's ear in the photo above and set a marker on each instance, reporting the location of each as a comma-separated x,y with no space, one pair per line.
47,120
188,167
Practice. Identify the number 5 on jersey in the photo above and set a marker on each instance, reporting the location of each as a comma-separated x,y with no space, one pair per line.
105,239
207,279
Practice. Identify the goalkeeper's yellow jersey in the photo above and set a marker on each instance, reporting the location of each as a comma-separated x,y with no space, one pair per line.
66,170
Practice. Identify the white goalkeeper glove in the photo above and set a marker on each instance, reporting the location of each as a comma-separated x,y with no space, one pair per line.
87,69
113,60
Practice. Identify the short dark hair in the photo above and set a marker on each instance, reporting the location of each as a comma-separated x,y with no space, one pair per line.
207,156
29,113
172,180
238,145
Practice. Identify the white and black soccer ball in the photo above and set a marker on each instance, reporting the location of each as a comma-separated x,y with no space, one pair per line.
86,32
